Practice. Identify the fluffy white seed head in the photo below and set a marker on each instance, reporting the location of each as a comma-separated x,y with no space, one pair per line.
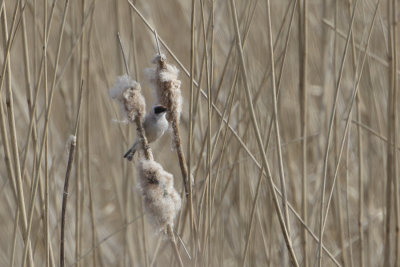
169,73
128,93
167,87
161,201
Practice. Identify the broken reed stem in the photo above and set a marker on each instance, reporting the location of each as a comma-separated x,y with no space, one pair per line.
65,198
66,181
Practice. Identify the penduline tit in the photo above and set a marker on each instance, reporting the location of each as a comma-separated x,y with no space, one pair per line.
155,124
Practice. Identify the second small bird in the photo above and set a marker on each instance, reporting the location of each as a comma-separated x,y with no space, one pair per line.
155,124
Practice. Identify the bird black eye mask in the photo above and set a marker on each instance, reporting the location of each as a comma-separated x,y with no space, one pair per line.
159,109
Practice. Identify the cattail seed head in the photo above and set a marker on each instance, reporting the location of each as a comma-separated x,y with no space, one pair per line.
128,93
161,200
167,87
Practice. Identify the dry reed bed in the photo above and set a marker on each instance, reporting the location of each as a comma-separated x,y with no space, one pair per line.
320,126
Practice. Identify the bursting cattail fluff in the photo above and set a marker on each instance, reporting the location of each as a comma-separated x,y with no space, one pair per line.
161,201
167,87
128,93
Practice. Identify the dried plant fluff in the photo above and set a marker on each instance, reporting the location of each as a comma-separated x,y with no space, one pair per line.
161,200
167,87
128,93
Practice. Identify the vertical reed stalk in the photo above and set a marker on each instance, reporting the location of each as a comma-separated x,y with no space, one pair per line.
190,137
389,150
78,180
46,193
395,122
6,150
277,131
97,255
209,151
8,38
347,201
253,209
341,231
303,113
78,201
360,154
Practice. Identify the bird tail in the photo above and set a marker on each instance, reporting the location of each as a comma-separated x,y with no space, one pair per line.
131,152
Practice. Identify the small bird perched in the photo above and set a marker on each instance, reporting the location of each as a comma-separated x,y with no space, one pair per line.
155,124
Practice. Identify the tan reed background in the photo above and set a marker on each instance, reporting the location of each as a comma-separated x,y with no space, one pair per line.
234,220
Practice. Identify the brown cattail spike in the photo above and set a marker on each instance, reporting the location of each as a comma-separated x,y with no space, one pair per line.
167,87
128,93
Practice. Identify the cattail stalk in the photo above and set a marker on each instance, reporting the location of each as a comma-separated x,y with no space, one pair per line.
395,121
360,153
149,156
169,95
160,198
142,136
303,111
